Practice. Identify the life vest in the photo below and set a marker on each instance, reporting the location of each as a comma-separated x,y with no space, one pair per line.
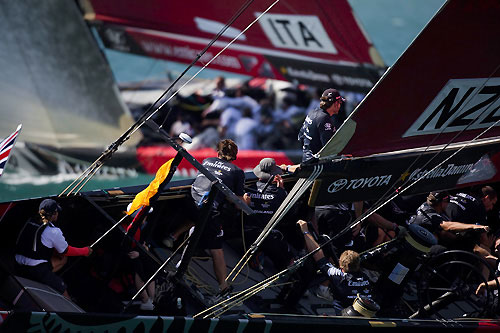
29,243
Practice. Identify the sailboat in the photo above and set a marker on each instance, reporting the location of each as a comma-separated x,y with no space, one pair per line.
318,44
57,84
431,122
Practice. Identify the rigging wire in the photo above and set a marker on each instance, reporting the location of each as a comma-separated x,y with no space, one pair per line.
299,188
150,111
238,298
245,294
387,193
255,289
162,266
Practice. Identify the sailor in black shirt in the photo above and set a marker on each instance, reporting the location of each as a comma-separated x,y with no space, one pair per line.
234,178
469,209
320,124
231,175
432,216
266,199
347,281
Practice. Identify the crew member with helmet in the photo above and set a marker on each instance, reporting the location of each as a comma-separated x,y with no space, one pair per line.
320,124
35,247
347,281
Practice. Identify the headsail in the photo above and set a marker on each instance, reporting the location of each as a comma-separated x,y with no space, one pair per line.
319,43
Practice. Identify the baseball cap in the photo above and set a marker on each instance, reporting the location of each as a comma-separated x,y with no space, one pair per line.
331,95
266,168
438,196
50,206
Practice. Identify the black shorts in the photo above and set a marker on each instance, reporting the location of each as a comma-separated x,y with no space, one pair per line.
213,234
42,273
143,266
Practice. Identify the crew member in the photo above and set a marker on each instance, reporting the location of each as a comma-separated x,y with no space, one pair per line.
320,124
469,209
347,281
268,195
142,266
432,216
36,244
234,178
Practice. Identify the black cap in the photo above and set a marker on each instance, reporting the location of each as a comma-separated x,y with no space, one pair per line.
438,196
331,95
49,206
267,167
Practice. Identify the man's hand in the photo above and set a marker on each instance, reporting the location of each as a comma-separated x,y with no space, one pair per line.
289,168
303,225
246,198
480,288
133,254
91,250
279,181
485,228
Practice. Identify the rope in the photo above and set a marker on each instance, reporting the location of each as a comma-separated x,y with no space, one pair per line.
149,113
299,188
380,203
264,284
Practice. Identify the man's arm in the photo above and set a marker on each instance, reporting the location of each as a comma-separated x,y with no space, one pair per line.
382,222
325,134
490,285
459,226
311,244
246,198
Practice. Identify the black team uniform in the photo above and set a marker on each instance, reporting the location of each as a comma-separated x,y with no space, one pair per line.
317,129
467,209
234,178
265,201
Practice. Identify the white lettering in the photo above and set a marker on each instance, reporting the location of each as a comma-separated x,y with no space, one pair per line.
352,81
217,165
297,32
361,183
462,104
186,52
449,170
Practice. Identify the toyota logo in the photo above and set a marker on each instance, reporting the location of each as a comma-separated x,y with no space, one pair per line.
337,185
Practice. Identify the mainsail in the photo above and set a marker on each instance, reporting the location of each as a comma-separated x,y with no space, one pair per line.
319,43
444,88
434,116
